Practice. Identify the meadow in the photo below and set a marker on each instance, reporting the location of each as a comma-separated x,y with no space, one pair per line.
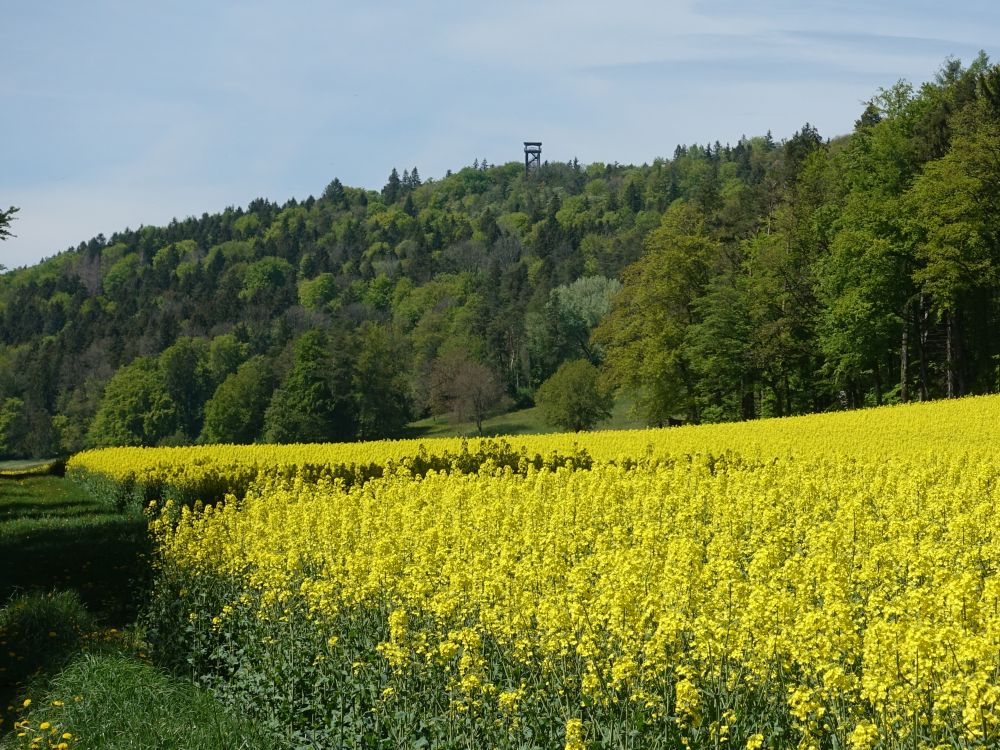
827,581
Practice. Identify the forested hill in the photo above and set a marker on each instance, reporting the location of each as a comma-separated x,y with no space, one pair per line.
726,282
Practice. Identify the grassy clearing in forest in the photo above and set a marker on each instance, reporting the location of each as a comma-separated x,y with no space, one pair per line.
32,467
519,422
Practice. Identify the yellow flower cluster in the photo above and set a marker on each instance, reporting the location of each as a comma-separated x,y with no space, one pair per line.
810,582
42,734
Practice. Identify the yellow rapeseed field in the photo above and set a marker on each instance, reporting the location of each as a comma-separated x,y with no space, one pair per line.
900,430
816,582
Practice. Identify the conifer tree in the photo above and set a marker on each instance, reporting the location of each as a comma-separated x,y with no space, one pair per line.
390,193
6,217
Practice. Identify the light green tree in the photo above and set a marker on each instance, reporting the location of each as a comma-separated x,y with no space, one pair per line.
268,281
136,408
574,397
225,354
562,330
318,292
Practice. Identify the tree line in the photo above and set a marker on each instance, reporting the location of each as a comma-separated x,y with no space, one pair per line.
725,282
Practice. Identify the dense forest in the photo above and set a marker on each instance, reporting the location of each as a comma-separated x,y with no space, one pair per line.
725,282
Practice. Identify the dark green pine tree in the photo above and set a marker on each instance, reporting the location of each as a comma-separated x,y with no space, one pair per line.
390,193
5,219
235,413
308,407
633,196
335,194
379,383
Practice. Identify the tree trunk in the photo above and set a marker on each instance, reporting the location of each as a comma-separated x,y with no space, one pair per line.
877,373
904,357
949,355
922,347
692,402
958,354
747,405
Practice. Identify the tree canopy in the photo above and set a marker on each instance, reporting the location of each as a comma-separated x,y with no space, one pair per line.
766,277
574,398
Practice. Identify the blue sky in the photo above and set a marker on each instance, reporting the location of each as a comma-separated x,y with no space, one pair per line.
119,113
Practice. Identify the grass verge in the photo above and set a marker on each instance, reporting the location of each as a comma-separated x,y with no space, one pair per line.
116,702
72,669
55,536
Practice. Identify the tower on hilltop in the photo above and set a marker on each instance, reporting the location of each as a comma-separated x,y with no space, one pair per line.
532,156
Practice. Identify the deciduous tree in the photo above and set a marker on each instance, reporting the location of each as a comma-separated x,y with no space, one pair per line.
574,398
465,389
136,408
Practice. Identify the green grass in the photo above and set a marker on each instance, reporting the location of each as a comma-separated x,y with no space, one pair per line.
54,535
33,466
521,422
116,702
72,575
39,633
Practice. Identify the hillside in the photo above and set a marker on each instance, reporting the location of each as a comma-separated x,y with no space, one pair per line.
725,282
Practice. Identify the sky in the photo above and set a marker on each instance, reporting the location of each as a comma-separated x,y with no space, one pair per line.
118,113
